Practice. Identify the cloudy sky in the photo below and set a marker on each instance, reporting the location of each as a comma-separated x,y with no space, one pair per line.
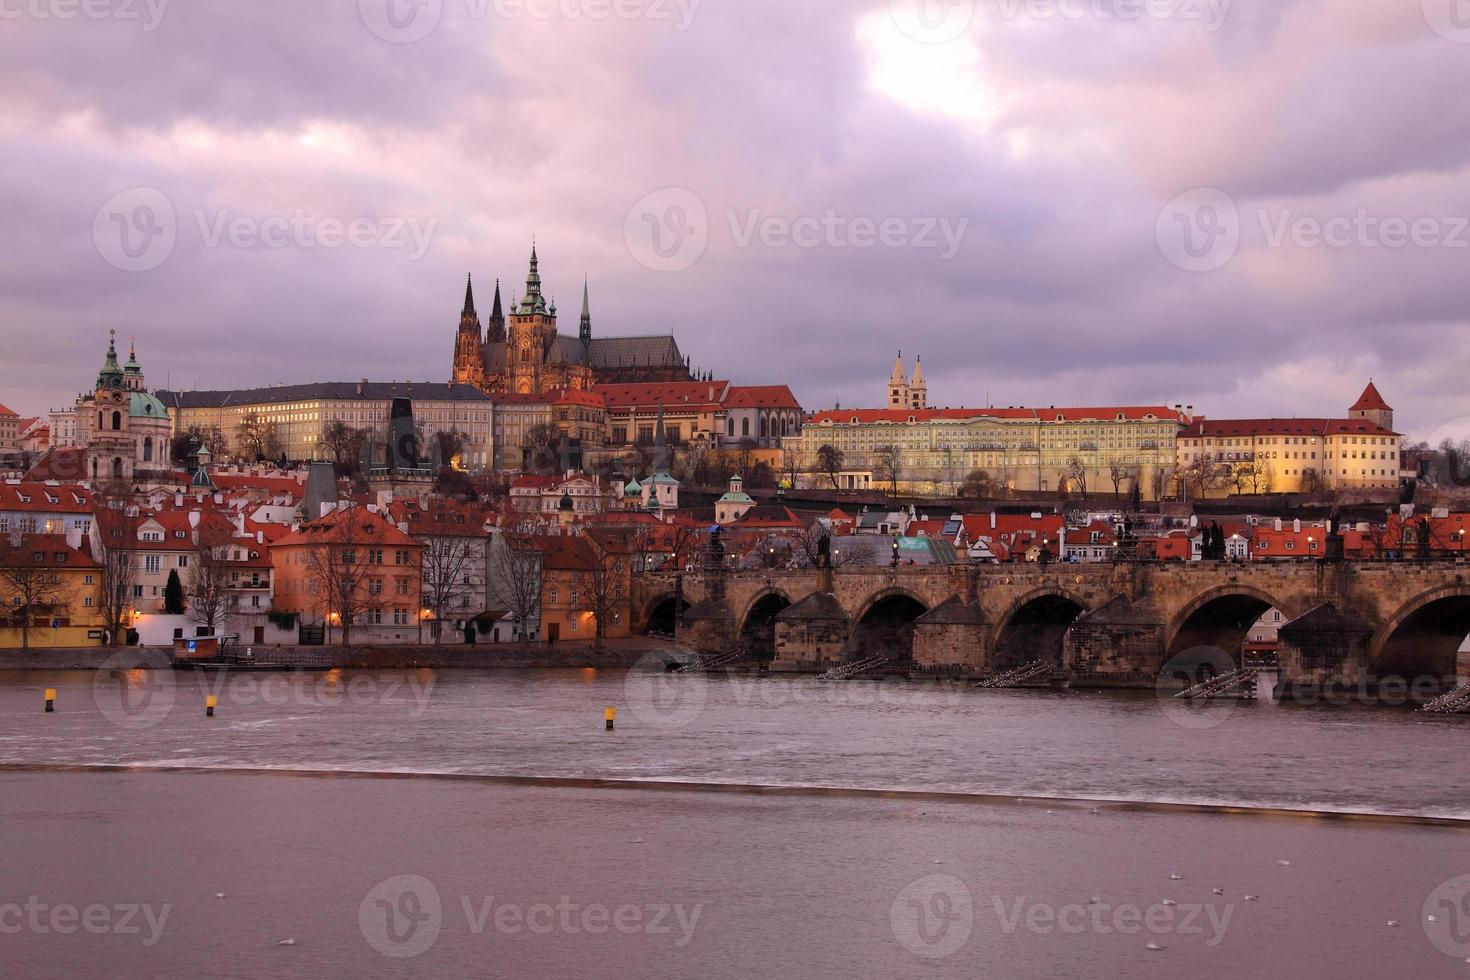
1250,206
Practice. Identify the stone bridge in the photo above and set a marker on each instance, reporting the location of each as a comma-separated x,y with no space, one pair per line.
1344,623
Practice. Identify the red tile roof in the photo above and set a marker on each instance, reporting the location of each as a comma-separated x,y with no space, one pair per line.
762,396
846,416
1204,428
1370,401
70,498
49,547
368,528
672,395
5,411
60,464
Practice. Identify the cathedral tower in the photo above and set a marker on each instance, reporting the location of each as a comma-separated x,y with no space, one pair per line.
898,385
469,363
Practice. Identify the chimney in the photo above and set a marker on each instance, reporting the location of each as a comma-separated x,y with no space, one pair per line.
193,518
1296,526
992,520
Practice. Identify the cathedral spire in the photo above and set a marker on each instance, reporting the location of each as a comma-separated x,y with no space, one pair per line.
469,296
585,331
495,326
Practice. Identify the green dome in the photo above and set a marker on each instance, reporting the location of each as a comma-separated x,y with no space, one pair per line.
736,498
142,405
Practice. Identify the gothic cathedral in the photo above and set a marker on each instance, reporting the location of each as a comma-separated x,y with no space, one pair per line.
523,354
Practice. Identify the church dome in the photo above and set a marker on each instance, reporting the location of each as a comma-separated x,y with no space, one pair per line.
142,405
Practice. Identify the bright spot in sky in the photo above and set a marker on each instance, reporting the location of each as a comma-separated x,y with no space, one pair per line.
939,79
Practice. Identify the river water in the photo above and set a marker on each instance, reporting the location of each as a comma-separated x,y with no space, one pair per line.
1006,876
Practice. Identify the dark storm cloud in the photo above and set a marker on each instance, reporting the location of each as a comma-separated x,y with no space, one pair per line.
1052,144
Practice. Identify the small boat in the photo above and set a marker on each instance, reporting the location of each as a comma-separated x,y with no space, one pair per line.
222,653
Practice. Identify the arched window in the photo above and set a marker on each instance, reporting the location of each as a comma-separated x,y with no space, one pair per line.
745,427
117,471
148,449
99,421
116,421
730,426
94,469
763,426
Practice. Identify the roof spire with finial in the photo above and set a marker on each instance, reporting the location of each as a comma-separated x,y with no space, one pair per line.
585,330
469,296
534,302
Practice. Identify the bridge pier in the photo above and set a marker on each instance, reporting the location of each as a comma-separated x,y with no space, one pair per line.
812,634
1118,644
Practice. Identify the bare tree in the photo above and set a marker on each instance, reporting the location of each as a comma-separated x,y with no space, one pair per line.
1204,475
602,583
256,437
793,464
449,563
888,466
29,584
1120,471
209,580
829,463
806,547
343,441
1161,479
1311,481
516,577
337,568
1076,475
112,533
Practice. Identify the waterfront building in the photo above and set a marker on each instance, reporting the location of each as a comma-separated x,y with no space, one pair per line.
1217,457
52,582
353,564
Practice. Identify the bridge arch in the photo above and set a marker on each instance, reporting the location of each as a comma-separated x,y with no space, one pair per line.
1423,636
1034,627
885,625
1219,617
661,613
757,629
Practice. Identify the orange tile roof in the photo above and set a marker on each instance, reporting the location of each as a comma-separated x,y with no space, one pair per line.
6,411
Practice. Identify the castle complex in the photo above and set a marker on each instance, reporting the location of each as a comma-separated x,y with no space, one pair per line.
523,353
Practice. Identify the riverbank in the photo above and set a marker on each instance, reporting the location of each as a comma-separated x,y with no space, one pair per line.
449,656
